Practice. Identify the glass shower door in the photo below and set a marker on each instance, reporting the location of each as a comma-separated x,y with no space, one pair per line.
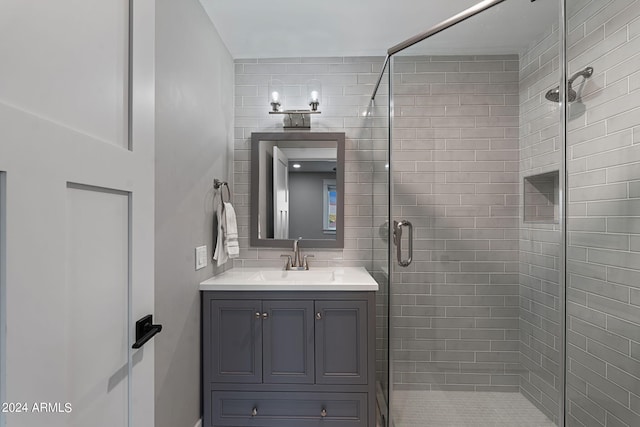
377,112
475,299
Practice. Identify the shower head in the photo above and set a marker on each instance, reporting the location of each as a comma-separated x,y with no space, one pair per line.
554,94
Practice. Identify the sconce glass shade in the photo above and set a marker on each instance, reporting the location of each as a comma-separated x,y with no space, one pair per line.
314,94
275,95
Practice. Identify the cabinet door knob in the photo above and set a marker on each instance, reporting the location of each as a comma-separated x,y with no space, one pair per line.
265,315
254,412
323,413
319,316
257,315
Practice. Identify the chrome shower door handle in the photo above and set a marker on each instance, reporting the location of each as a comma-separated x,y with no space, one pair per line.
397,239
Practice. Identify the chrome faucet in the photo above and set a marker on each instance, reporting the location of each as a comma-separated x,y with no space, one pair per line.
297,262
296,254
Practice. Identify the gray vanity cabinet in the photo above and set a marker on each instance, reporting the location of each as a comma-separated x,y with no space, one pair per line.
256,341
341,342
237,325
280,359
287,342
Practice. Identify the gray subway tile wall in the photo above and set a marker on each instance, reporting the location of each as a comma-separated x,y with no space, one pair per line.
345,108
455,161
603,375
541,239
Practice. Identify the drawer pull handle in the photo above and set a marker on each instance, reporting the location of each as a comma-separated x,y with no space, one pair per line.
254,412
319,316
265,315
257,315
323,413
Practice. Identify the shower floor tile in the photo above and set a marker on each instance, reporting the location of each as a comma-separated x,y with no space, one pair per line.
465,409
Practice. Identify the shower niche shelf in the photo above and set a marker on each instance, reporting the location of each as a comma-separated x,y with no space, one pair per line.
541,198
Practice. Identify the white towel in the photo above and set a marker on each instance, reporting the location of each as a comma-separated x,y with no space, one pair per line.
231,232
220,254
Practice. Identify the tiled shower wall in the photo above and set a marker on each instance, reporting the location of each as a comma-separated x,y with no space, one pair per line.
603,265
455,166
541,237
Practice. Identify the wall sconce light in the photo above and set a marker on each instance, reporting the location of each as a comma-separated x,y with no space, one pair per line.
275,95
314,91
295,119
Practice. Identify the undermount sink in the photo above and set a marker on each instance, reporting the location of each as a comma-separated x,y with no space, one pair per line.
295,276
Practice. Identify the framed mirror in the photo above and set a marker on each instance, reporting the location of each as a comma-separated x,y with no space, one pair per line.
297,189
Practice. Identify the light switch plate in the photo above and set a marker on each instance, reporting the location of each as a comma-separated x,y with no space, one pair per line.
201,257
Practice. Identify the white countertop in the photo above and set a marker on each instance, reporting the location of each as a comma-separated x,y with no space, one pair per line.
315,279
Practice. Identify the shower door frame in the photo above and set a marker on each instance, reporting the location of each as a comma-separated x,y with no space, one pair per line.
388,65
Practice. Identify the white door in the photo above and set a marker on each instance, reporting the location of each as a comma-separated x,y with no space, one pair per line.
76,155
280,194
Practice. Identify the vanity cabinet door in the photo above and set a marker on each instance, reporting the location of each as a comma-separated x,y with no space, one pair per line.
287,329
341,342
235,328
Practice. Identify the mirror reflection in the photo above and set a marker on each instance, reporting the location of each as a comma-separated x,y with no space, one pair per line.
296,190
299,190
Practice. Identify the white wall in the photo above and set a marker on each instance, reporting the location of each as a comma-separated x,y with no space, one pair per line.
194,125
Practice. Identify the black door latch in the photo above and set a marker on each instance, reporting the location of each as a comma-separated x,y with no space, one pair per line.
145,330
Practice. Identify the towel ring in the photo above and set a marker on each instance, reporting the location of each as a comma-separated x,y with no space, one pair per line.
217,184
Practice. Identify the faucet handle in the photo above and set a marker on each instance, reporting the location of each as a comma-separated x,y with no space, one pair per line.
306,261
287,266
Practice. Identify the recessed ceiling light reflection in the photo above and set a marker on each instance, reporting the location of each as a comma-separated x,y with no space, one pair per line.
296,165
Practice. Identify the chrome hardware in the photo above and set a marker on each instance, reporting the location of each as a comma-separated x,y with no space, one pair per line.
265,316
287,265
450,22
254,412
296,254
397,239
296,261
319,316
217,184
323,413
305,261
257,315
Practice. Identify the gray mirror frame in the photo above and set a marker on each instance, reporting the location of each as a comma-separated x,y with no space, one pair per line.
256,137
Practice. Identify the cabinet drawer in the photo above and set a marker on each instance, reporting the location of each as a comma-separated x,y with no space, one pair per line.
287,409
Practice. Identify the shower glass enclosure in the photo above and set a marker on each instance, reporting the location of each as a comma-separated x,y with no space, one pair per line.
514,282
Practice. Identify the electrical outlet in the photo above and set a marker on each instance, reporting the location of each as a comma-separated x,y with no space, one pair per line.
201,257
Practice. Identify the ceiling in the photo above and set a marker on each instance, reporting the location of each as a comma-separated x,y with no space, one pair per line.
290,28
